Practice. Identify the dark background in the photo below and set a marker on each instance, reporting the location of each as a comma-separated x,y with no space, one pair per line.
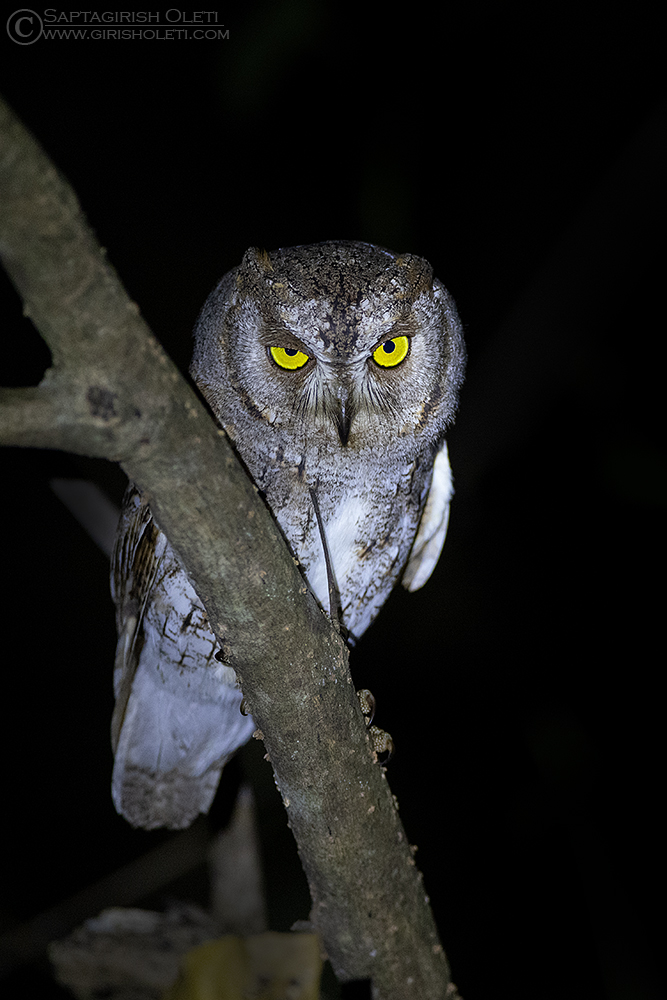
524,156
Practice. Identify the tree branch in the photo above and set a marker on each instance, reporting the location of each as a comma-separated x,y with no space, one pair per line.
113,393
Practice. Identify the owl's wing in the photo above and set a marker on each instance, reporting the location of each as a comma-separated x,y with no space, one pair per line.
177,719
430,536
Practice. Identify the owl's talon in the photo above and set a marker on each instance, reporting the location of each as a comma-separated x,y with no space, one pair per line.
382,743
367,703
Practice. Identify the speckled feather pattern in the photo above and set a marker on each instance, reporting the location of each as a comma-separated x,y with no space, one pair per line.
177,719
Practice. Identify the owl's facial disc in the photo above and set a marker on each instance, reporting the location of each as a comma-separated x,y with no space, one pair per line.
338,385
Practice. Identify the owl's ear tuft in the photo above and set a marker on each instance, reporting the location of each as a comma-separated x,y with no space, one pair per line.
256,263
254,270
263,260
417,274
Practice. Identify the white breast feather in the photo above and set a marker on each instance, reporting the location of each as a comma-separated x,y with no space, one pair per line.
341,531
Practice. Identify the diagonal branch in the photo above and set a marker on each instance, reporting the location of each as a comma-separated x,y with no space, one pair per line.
112,392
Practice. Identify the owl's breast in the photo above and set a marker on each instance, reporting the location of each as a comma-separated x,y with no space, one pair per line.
369,512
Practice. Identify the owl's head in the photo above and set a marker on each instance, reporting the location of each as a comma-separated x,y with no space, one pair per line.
340,345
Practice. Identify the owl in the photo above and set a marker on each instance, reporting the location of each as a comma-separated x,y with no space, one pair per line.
334,370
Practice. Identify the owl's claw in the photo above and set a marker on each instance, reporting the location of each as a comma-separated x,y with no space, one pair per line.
367,703
381,741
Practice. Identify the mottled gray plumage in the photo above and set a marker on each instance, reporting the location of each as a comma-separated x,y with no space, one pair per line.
334,369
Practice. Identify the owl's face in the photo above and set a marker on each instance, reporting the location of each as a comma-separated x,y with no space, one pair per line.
338,345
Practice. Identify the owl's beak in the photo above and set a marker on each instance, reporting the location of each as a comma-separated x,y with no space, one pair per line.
342,417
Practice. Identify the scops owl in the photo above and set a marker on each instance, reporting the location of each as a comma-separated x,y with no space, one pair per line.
334,369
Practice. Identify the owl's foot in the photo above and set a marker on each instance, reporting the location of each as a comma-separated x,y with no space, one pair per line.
367,703
381,741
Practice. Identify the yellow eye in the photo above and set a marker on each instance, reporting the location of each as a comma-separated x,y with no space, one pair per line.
287,357
392,352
